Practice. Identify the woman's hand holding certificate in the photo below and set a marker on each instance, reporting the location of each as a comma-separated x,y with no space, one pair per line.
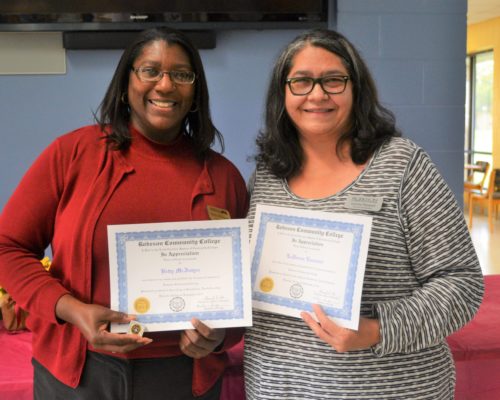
200,341
343,339
92,320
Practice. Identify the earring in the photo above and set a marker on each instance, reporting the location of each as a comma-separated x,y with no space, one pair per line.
191,110
123,98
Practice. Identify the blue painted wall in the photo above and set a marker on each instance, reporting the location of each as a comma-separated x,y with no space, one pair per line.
36,109
416,50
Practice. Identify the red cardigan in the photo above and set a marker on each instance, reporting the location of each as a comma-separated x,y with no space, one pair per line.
58,202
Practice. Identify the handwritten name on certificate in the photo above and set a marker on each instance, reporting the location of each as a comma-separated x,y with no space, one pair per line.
167,273
302,257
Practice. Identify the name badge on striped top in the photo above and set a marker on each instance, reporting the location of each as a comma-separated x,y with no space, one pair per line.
366,203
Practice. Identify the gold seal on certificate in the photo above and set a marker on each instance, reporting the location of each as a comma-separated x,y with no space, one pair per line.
141,305
136,328
266,284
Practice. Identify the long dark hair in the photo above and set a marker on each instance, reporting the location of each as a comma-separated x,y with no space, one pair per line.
114,112
371,123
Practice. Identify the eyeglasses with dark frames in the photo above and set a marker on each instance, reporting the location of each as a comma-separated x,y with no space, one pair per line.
152,74
333,84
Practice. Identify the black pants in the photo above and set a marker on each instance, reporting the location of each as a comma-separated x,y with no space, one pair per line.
111,378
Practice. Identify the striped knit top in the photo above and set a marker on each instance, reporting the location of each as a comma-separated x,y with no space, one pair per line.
422,281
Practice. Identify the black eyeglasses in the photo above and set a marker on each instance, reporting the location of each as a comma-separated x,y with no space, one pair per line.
152,74
303,85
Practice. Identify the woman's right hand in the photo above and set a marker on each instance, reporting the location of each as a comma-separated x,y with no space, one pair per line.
343,339
92,321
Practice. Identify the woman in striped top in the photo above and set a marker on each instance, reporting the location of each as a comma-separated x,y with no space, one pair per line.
327,139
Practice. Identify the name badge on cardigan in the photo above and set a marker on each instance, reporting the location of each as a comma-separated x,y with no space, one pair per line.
365,203
217,213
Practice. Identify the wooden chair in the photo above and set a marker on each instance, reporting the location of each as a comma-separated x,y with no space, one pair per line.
476,179
490,198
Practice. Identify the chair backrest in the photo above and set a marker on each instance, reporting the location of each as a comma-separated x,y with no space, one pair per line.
484,166
496,180
494,183
476,179
483,171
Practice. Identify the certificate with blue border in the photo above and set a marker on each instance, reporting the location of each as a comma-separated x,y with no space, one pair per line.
168,273
303,257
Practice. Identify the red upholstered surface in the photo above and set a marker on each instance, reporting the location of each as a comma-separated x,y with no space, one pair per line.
480,338
16,372
476,350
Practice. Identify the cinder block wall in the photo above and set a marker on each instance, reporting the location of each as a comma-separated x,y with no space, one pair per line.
416,50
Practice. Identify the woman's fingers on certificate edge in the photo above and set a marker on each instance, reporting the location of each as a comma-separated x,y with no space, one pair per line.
209,333
201,341
193,345
201,327
325,329
121,317
314,326
322,318
320,314
326,323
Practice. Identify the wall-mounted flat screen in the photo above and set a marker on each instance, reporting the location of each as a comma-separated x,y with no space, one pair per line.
115,15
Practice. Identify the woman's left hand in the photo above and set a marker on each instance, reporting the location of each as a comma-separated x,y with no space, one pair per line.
343,339
200,341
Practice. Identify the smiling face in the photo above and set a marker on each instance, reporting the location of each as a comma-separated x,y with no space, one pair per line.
157,109
318,113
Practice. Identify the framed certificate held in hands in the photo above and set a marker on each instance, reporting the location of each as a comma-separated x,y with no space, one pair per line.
168,273
303,257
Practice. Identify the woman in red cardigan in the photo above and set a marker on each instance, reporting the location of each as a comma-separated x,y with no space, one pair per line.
148,159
